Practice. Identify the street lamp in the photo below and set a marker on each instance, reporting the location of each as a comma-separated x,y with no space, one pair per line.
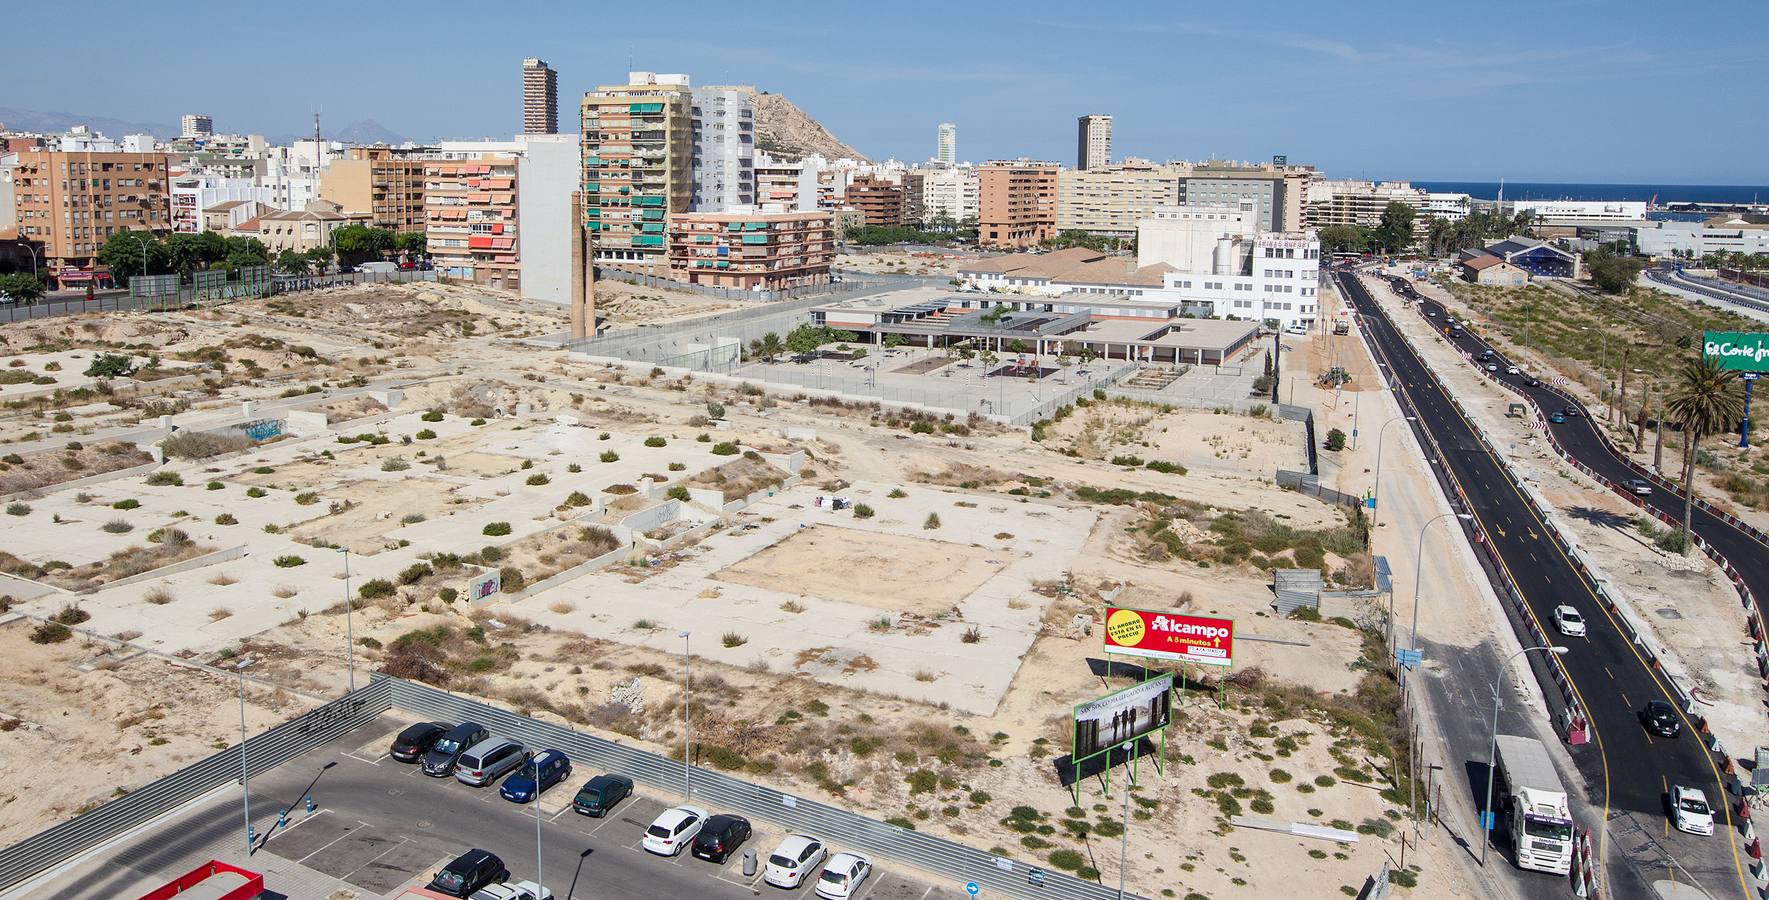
245,788
349,623
1419,567
1377,509
687,783
1492,755
143,242
1124,833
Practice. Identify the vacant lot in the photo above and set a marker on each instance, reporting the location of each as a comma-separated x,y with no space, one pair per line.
885,571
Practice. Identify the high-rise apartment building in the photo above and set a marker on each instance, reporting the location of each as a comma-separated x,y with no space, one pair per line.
71,200
941,196
724,148
751,251
1016,203
1111,199
880,201
1280,190
196,126
385,183
1362,202
788,186
1093,141
540,97
638,164
946,153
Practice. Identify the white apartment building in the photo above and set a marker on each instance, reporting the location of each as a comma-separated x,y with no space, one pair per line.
946,151
1112,199
943,192
195,193
1450,207
783,186
1350,202
724,148
1189,238
194,125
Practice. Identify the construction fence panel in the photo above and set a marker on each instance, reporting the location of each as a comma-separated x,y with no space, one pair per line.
933,854
263,752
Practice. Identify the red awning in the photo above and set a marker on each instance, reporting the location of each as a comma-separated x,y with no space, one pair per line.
479,243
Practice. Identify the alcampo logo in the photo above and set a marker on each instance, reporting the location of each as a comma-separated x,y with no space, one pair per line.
1125,627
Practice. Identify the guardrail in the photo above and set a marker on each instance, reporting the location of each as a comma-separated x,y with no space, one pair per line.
263,752
933,854
1304,483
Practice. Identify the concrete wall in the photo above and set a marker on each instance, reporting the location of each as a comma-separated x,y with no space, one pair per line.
551,168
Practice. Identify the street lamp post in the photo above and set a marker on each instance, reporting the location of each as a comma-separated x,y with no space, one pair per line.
1492,755
245,787
687,783
143,242
1418,567
536,771
1124,835
349,623
1377,509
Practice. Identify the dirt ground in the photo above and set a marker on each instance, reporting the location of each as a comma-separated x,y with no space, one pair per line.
904,262
1296,734
923,577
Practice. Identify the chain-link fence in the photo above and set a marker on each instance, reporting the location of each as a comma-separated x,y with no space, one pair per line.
186,296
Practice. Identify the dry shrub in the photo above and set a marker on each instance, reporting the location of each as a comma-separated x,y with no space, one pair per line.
563,606
201,445
159,596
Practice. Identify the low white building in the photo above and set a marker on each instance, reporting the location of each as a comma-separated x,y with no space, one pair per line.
1451,207
193,195
1729,233
1582,210
1188,238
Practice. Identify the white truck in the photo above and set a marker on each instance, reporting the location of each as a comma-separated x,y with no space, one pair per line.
1532,803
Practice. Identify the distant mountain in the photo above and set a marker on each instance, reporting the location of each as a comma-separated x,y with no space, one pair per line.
366,131
16,119
787,132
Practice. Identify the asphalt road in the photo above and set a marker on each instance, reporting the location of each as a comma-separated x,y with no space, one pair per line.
381,824
1628,770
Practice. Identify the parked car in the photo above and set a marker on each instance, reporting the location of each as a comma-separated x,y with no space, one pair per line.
547,768
487,761
1569,621
440,761
1660,718
416,740
521,890
1558,418
599,795
468,873
843,875
673,830
720,837
1639,486
1690,811
795,858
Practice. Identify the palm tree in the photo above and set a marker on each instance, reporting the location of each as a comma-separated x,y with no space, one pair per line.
1704,399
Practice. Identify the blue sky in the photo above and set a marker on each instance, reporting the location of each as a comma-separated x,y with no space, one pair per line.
1553,90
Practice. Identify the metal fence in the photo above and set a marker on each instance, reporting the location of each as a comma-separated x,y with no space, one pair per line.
263,752
1304,483
933,854
829,290
120,301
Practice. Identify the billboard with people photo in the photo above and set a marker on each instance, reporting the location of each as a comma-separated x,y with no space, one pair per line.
1125,715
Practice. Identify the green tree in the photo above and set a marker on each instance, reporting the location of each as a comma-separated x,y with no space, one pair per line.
292,262
1395,232
1704,400
22,286
123,253
246,251
411,243
1612,274
1344,239
767,347
357,244
187,253
319,259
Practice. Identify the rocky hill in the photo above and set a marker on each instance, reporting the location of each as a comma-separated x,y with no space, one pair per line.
787,132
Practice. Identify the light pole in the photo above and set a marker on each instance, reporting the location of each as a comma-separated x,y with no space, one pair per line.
143,242
1376,510
535,770
349,622
245,787
1124,835
1418,567
1492,755
687,783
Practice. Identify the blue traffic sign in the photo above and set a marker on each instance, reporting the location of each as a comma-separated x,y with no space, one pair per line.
1409,658
972,888
1486,821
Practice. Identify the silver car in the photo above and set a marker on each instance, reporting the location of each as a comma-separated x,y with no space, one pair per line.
488,760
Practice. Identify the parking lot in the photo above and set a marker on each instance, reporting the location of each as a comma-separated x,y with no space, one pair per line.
381,826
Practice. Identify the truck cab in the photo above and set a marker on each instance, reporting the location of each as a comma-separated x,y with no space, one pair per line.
1533,805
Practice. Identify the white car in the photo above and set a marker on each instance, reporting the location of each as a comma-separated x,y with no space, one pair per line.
521,890
1690,810
795,858
1512,370
1569,621
843,875
674,830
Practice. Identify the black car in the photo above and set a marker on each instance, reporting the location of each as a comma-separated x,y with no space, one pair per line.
1660,718
599,795
1534,382
720,837
416,740
1571,412
468,873
440,761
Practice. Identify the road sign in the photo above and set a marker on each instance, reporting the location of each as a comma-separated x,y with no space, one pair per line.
1409,658
1486,821
1751,376
972,888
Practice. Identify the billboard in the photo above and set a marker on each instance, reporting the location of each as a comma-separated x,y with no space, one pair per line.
1738,351
1167,635
1124,716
